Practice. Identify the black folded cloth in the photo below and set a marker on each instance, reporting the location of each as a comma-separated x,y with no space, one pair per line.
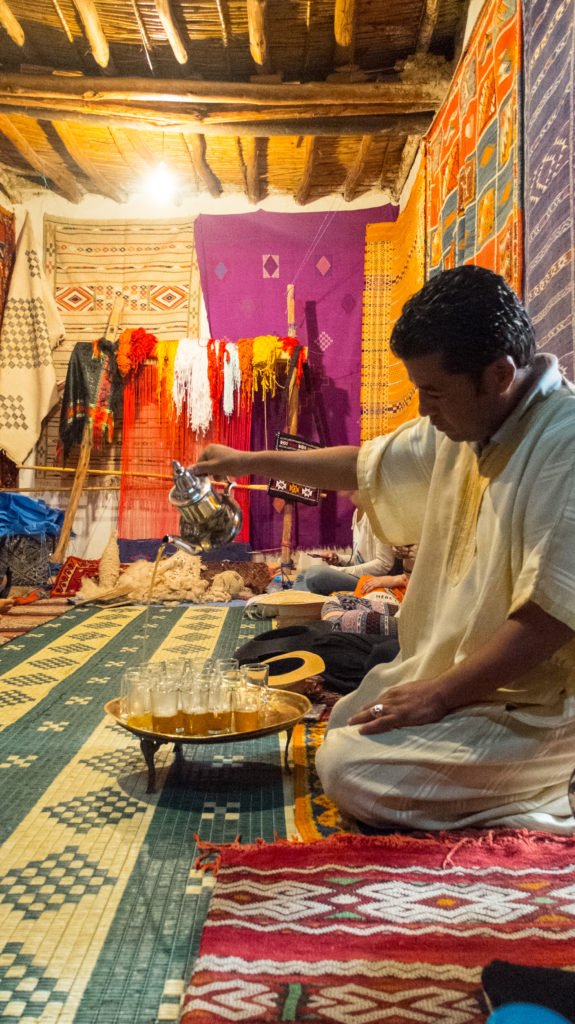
551,987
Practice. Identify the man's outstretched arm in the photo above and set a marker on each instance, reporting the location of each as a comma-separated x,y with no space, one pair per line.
332,469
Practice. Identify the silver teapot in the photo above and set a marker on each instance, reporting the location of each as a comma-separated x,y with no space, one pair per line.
208,518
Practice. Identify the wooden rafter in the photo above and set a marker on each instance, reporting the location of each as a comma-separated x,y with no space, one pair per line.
143,34
63,22
309,161
408,155
242,163
257,29
427,25
253,154
11,24
83,159
90,19
50,166
196,146
343,30
10,186
357,169
169,26
224,16
396,97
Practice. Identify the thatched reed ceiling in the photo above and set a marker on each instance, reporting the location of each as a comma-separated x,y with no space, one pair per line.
305,97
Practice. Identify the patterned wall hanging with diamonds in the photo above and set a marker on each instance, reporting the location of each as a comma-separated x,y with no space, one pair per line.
549,47
474,147
246,262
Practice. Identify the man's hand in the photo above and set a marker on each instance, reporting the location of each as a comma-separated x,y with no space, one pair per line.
218,460
417,703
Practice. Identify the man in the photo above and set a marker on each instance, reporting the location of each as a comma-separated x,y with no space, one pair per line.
474,722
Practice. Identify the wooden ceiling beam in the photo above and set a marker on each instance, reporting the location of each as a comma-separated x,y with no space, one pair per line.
310,156
169,26
408,155
196,146
258,34
224,16
92,26
79,154
50,166
387,97
11,24
357,169
143,34
343,30
427,25
254,153
159,121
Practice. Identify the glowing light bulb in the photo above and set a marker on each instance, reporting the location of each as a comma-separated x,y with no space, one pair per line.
160,184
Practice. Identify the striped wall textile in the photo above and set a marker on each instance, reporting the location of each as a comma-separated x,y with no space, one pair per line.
394,270
369,929
153,436
246,263
152,263
474,154
549,56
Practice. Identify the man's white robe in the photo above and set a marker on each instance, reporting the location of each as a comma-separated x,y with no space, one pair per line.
507,760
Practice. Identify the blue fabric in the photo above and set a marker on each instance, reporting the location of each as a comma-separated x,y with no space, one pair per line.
28,517
525,1013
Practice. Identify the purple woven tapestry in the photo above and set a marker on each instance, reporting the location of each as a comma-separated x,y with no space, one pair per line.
549,34
246,263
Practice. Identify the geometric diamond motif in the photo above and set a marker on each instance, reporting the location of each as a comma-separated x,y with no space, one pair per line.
75,299
102,807
12,414
47,884
323,341
220,270
167,297
25,982
34,679
348,303
10,699
25,338
18,761
323,266
270,266
115,761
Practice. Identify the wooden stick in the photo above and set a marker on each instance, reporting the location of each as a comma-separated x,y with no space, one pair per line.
115,472
54,167
11,24
173,36
292,417
94,32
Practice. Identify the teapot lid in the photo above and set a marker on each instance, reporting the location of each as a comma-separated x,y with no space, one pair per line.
188,486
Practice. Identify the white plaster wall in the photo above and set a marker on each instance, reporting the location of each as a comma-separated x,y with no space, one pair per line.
97,514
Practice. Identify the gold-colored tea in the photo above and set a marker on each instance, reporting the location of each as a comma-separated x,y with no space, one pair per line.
219,721
141,721
167,723
246,721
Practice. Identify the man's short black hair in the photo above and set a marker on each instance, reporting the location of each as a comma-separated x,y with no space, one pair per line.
470,316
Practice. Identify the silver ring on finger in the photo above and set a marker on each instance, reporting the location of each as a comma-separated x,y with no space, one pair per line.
376,711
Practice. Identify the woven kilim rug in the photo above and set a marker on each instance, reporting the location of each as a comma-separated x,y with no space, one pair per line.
22,618
101,907
366,930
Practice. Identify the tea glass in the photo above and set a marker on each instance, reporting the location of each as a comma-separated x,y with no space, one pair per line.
246,701
256,673
166,716
220,708
135,704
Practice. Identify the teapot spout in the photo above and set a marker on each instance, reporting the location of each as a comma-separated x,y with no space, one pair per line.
191,549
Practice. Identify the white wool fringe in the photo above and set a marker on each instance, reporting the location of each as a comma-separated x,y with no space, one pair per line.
232,378
191,384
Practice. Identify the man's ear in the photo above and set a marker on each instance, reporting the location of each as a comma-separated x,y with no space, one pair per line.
500,374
